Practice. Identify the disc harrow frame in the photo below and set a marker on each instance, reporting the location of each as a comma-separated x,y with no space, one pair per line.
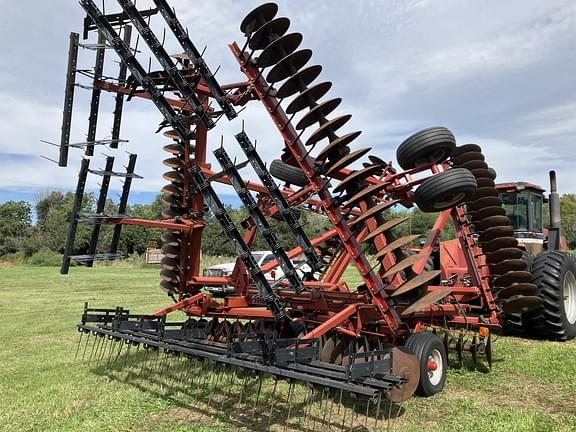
314,328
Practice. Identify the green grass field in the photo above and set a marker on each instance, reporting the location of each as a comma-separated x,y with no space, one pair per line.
532,386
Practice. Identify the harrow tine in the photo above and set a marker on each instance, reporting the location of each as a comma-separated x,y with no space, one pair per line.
489,350
460,349
353,411
289,402
273,401
473,350
78,346
257,395
96,341
85,346
377,411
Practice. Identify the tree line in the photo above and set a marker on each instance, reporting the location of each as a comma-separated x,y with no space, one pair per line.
19,235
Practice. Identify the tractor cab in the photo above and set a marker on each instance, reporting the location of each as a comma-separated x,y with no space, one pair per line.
523,203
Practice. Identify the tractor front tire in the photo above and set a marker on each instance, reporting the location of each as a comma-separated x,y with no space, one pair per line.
445,190
433,361
554,273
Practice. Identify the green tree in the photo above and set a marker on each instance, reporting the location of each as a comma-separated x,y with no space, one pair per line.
568,212
15,225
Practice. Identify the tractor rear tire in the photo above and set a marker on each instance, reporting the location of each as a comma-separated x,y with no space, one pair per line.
445,190
554,273
435,144
430,352
288,173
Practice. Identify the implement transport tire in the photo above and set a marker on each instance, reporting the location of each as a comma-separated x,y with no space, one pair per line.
288,173
435,144
433,360
445,190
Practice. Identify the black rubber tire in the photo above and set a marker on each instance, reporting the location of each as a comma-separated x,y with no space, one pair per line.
445,190
423,344
435,143
551,270
288,173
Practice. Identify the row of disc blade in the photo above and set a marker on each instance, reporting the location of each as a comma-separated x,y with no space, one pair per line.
512,288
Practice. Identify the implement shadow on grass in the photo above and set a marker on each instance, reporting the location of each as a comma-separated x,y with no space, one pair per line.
205,393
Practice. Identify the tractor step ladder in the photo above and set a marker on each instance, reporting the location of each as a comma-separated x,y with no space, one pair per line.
261,222
242,250
282,205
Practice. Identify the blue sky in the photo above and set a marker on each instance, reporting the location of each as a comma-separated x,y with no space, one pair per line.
500,74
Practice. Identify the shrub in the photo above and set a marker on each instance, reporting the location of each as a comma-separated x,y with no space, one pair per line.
45,257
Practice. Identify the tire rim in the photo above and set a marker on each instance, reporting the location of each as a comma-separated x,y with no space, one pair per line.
435,374
450,201
569,293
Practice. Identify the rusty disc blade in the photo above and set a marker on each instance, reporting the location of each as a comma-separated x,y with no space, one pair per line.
507,266
473,164
467,157
377,161
171,212
169,287
483,192
308,97
521,304
424,302
492,221
168,275
257,17
525,288
327,349
279,49
416,282
169,263
318,113
486,212
289,65
337,146
485,182
467,148
385,227
373,211
511,277
170,250
268,33
364,194
173,176
299,81
172,189
495,232
357,176
170,236
399,242
485,202
403,264
345,161
327,129
175,149
406,365
499,243
172,201
174,162
482,173
503,254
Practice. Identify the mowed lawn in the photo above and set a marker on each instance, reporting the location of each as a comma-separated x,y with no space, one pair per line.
532,386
